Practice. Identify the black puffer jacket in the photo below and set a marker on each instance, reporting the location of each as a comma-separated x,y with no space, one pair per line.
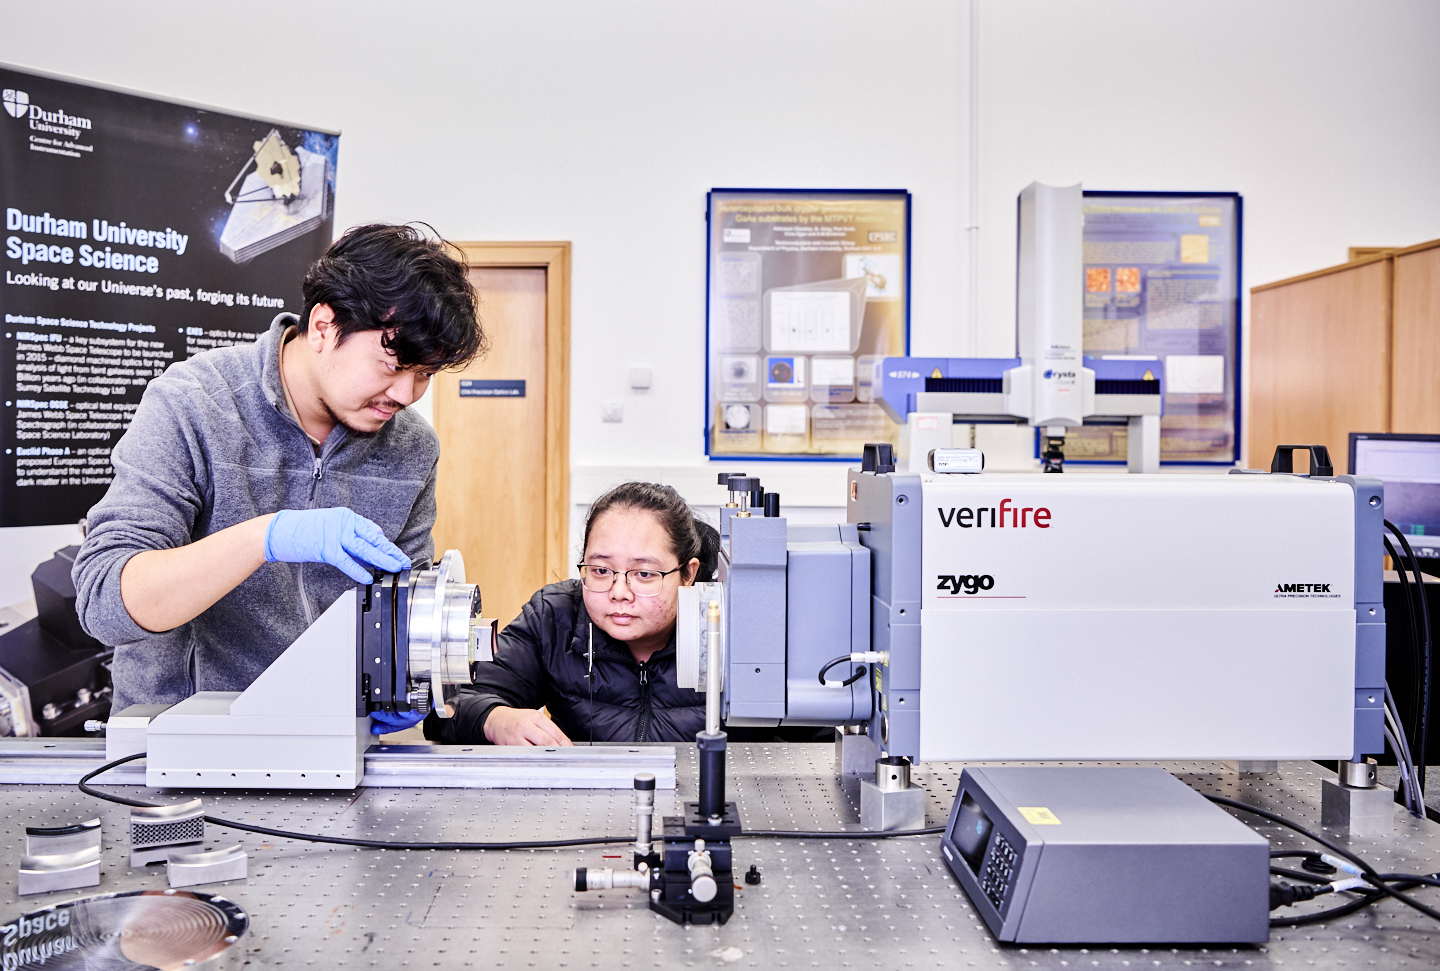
542,661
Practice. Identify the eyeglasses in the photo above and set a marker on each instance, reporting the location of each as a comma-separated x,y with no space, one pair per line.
642,583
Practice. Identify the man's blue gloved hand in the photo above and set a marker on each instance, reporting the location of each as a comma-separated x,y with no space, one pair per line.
336,536
385,722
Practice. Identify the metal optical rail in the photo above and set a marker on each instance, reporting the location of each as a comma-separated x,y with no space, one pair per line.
62,761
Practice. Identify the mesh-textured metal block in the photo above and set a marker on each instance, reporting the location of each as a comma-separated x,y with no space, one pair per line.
152,834
155,830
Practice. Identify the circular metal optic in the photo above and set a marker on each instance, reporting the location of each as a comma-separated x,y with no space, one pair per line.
143,928
443,611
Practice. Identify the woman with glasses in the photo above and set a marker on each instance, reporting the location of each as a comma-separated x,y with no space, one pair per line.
599,652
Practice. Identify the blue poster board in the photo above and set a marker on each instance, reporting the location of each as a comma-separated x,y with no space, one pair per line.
1162,284
807,292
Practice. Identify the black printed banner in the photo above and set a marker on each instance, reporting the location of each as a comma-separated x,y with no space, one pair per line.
138,232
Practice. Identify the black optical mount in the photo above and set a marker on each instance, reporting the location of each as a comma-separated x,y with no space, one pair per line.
1053,458
696,846
382,620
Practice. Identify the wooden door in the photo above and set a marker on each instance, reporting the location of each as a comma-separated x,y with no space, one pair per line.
504,460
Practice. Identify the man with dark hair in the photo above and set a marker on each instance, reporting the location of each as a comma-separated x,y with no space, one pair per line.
257,483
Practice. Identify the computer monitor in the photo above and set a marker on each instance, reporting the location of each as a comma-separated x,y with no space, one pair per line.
1409,465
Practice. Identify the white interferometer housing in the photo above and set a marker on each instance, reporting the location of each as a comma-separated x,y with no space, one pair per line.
1070,617
1138,618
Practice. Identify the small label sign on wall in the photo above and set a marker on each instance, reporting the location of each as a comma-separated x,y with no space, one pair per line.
482,388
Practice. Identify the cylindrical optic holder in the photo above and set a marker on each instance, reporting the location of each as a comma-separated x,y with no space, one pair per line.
644,819
712,773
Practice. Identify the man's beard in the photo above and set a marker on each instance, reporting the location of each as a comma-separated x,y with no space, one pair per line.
363,433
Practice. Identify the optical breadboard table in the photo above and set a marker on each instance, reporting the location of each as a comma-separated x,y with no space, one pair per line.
822,903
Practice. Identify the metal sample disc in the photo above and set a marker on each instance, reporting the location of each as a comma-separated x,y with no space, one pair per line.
125,931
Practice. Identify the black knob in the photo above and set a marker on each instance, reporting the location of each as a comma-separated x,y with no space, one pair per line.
752,875
744,483
724,477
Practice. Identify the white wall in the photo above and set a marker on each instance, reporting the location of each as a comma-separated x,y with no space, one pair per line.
604,124
1323,114
25,548
599,123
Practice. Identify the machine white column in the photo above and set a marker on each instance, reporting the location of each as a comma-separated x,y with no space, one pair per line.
1049,302
1142,452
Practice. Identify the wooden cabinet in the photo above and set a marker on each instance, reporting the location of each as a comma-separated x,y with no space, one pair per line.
1415,395
1351,348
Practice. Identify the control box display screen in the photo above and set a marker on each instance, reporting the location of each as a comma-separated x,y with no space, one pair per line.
971,832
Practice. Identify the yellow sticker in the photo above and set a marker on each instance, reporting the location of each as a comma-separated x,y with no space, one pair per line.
1194,248
1038,816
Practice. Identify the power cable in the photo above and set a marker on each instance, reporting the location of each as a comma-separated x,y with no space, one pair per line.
1416,664
89,790
842,659
1424,626
1365,868
1396,733
1407,782
340,840
780,834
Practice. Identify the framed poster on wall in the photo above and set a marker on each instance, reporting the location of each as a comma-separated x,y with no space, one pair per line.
1162,283
807,292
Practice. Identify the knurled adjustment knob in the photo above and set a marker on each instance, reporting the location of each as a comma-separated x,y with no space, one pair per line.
420,700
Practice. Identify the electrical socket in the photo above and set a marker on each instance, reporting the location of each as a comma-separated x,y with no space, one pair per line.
612,411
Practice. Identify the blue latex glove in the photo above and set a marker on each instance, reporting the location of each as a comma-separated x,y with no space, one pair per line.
385,722
336,536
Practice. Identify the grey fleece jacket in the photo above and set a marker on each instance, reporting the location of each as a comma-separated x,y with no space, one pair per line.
212,445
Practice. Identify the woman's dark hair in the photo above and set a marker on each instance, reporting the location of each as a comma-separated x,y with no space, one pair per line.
397,279
690,537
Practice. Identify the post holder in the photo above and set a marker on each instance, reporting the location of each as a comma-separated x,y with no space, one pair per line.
891,802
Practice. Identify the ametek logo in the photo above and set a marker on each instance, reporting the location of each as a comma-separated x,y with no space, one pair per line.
1302,588
16,102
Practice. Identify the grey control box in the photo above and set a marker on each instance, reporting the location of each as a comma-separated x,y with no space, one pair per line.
1099,854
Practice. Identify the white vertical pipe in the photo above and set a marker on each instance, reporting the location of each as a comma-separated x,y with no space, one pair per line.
974,178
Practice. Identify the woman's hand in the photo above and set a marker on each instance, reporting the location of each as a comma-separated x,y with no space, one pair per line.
522,726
